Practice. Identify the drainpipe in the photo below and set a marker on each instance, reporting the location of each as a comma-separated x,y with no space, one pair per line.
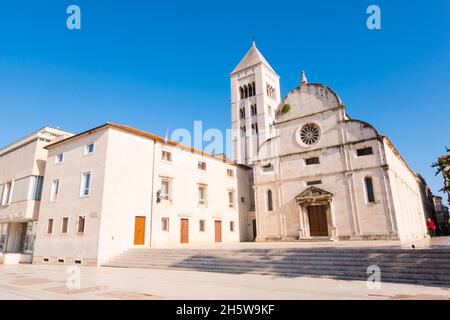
153,193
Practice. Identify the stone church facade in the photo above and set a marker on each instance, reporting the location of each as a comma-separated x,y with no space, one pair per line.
318,173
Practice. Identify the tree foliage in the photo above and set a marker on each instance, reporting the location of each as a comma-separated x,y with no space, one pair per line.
443,166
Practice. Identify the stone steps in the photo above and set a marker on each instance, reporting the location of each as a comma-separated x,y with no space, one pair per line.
431,267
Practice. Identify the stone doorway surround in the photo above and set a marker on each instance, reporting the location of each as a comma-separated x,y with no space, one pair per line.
313,196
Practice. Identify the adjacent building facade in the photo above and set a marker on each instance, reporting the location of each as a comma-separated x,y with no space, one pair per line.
22,168
115,187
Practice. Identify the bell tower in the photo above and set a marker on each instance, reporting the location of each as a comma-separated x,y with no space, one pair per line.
255,95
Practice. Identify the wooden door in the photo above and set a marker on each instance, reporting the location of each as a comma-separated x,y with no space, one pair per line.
318,224
139,230
184,231
218,231
254,229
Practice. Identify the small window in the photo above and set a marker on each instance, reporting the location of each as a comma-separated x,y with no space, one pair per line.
269,200
201,226
55,190
59,158
60,260
50,226
202,194
85,184
230,173
165,189
77,261
313,183
364,152
202,165
312,161
232,226
369,190
89,148
81,224
166,156
231,199
165,224
65,225
267,168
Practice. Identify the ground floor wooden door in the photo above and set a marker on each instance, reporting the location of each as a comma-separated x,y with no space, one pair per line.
184,230
254,229
139,230
318,224
218,231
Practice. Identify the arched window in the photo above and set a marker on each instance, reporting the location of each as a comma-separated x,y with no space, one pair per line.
269,200
369,190
250,90
255,109
254,88
245,91
241,92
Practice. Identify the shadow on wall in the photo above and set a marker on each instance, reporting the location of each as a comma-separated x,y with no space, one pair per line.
427,267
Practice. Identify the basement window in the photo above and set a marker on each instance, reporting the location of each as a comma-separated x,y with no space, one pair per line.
60,260
77,261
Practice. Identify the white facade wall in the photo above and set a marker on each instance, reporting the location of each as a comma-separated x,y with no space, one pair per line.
341,172
406,195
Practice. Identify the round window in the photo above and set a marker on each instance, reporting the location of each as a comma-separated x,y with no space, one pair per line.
309,134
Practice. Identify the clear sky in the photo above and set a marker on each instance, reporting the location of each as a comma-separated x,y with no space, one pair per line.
159,64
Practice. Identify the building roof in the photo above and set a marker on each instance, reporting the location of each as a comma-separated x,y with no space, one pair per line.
131,130
46,132
252,58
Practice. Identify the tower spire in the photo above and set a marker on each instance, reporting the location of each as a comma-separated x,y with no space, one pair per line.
253,40
304,80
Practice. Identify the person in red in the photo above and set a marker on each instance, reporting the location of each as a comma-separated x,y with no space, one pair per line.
432,227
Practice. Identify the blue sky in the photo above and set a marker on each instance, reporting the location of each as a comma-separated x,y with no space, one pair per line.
164,64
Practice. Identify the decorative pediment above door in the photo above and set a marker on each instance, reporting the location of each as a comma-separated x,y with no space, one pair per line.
314,195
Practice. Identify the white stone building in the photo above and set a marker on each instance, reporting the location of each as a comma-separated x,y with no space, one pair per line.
114,187
22,165
318,174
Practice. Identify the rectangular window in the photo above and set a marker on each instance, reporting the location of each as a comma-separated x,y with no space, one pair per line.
313,183
50,226
202,225
267,168
85,184
166,156
3,233
81,224
165,224
232,226
312,161
230,173
89,148
166,189
231,199
59,158
55,190
202,165
364,152
202,190
64,225
6,195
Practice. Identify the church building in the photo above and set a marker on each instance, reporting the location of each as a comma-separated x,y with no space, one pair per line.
318,173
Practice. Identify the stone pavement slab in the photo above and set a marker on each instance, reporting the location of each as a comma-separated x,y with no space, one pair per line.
148,284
